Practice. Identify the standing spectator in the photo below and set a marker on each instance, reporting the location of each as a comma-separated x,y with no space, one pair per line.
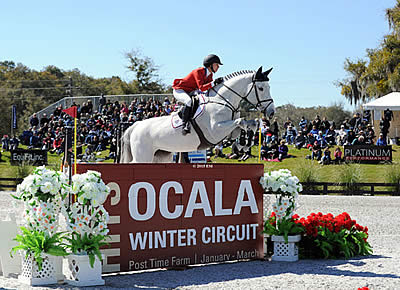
275,128
303,123
388,114
316,122
34,121
325,125
355,121
44,120
384,125
102,103
346,124
4,142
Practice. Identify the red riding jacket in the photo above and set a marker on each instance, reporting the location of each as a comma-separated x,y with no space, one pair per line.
197,79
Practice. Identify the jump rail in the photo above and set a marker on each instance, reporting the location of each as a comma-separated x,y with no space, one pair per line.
321,188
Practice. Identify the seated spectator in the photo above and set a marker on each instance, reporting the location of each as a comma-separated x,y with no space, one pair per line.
381,141
290,134
326,157
325,125
359,141
316,151
369,134
300,140
13,144
236,153
321,140
338,155
283,151
341,136
57,145
264,151
310,140
330,136
34,141
314,130
218,150
350,137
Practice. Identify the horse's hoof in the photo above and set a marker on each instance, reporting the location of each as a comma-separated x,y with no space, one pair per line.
185,132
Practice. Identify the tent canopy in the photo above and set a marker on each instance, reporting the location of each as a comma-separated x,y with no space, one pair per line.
391,101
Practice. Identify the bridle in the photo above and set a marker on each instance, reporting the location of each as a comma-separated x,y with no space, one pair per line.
245,98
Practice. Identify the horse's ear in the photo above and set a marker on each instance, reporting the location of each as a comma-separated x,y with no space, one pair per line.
258,76
266,73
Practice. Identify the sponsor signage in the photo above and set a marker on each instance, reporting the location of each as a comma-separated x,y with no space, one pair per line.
171,215
31,157
367,153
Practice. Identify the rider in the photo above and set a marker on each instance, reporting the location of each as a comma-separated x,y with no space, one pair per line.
199,79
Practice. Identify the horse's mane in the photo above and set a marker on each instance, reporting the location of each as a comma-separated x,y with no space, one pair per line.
238,73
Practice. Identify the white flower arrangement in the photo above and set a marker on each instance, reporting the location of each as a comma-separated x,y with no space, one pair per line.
89,187
85,219
42,185
286,188
42,193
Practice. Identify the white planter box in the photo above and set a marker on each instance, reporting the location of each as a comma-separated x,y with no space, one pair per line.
285,252
31,275
79,272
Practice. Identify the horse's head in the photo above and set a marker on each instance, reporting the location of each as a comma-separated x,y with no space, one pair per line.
261,95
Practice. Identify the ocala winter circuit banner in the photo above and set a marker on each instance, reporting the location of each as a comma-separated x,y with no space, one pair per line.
169,215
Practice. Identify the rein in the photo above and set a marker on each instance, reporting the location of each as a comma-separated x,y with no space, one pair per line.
245,98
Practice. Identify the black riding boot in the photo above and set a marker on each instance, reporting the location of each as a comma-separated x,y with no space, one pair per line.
186,116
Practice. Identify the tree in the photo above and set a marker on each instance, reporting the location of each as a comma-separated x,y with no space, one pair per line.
145,71
380,74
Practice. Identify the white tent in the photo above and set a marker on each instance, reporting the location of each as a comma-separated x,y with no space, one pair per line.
391,101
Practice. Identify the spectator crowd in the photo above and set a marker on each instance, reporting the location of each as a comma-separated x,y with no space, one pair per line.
97,131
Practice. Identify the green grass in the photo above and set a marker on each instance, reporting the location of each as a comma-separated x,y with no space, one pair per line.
326,173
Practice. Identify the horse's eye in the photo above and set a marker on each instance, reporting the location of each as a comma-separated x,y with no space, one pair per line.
261,88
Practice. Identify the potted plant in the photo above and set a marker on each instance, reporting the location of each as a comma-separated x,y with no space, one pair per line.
39,265
42,194
281,225
87,220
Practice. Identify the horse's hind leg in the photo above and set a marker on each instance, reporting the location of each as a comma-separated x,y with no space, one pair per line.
162,156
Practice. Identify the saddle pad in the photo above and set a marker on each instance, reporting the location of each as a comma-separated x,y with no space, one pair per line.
176,121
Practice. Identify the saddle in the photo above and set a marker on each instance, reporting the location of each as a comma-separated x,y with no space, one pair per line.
195,106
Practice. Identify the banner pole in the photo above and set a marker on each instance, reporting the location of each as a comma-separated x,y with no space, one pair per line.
259,142
75,159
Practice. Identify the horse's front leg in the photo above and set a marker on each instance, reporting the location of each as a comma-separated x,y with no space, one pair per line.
226,127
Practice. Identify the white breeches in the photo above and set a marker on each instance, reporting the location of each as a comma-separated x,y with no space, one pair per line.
183,97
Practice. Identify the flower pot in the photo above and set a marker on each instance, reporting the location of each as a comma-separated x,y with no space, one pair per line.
31,275
285,252
80,273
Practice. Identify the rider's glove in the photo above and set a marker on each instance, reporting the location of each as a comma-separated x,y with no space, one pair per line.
217,81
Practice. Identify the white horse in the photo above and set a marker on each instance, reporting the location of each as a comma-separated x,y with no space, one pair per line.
153,140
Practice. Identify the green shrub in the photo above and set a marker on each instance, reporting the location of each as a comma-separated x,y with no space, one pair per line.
307,171
348,175
392,175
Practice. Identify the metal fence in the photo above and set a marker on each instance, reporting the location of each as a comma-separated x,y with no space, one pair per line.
68,101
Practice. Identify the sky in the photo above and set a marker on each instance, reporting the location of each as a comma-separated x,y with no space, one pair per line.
306,42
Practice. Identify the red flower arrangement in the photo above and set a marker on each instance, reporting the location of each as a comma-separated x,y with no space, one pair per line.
332,237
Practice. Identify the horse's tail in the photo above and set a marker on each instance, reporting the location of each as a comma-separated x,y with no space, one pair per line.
126,153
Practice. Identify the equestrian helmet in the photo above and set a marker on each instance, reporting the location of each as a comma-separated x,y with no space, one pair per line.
210,59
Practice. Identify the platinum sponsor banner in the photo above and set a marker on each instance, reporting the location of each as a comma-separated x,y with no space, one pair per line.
367,153
170,215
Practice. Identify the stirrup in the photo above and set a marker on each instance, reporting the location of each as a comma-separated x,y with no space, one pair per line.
186,129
